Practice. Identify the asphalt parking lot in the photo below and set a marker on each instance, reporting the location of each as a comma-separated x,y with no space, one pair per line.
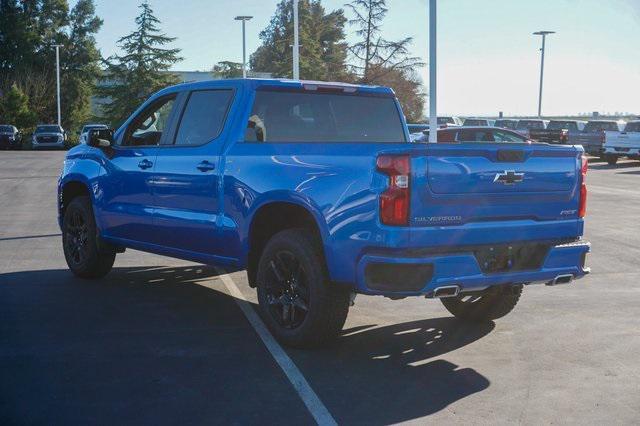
163,341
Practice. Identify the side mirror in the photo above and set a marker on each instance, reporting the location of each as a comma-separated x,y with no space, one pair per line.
100,138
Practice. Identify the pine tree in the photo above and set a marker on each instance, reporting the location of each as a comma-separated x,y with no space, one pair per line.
14,108
141,70
323,51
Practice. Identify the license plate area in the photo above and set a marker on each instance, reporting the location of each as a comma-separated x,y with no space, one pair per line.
510,258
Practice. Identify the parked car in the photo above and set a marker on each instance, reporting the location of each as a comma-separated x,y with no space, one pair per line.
48,136
478,134
506,123
593,136
10,137
623,144
478,122
315,190
85,131
524,127
558,131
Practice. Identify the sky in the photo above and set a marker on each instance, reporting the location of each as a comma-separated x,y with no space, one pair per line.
488,60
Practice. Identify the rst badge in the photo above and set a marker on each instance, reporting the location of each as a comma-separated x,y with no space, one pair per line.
509,177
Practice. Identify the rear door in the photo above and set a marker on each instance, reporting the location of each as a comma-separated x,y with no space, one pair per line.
474,183
186,178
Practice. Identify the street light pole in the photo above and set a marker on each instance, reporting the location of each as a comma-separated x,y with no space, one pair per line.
58,46
296,43
433,98
244,44
544,37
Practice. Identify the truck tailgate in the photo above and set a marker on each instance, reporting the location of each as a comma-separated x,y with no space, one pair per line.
457,184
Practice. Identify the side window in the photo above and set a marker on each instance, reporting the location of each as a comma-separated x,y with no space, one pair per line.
147,128
474,135
203,117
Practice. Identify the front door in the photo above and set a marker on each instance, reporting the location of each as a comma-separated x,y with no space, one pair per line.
186,181
126,200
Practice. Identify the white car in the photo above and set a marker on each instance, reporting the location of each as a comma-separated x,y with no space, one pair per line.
86,128
623,144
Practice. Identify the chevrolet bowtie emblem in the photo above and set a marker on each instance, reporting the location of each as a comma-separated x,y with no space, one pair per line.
509,177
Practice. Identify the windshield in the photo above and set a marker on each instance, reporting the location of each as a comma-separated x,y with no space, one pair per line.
6,129
633,127
48,129
506,124
530,124
596,126
305,116
85,129
561,125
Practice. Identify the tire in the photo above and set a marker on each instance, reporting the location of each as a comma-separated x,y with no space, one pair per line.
489,305
85,255
297,302
612,160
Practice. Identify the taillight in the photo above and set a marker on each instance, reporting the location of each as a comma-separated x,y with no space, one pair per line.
583,187
394,202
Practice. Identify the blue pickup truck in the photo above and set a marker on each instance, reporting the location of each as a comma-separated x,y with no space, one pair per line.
315,189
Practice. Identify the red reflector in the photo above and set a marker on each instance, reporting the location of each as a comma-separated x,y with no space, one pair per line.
582,210
394,202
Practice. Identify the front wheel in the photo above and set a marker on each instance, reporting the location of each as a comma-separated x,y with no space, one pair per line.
85,256
298,303
490,304
612,160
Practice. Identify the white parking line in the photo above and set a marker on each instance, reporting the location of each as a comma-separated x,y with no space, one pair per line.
300,384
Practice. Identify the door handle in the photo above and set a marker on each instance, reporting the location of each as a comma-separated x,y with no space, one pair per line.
205,166
145,164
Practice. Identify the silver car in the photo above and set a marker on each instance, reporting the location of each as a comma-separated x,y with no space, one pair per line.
48,136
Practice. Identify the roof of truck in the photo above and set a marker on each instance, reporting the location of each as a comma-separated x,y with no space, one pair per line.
283,83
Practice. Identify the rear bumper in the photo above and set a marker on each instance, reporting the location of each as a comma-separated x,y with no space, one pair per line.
622,151
461,269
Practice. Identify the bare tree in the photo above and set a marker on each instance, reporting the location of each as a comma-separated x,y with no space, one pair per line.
375,56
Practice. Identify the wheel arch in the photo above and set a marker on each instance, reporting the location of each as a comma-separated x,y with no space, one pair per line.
275,216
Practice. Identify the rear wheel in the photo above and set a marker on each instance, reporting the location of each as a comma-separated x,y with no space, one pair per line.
299,305
85,256
612,160
490,304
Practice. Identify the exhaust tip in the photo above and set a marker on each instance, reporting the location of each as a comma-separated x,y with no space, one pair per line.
446,291
561,279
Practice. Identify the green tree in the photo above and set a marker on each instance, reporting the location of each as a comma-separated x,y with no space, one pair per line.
142,70
373,55
227,69
407,86
14,108
323,50
28,29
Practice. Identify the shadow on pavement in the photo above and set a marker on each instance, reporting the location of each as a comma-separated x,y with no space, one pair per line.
622,165
148,345
394,373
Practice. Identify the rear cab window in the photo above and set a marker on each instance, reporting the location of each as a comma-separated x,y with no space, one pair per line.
309,116
563,125
530,124
632,127
597,126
